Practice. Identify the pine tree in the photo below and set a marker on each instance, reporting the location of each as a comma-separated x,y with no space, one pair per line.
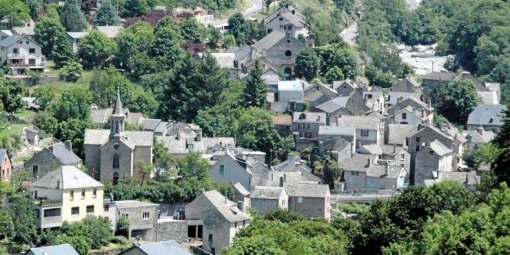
106,16
135,8
255,88
72,17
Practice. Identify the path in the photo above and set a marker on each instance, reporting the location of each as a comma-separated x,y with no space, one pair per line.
349,33
256,6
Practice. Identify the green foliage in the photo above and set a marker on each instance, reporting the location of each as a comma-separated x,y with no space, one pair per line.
454,101
355,208
106,15
134,39
71,71
96,49
44,97
74,104
215,37
244,31
35,8
379,78
135,8
10,95
6,224
307,64
255,89
23,214
335,73
501,151
72,17
192,31
15,11
285,216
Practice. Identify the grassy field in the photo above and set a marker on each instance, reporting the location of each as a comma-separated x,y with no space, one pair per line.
61,86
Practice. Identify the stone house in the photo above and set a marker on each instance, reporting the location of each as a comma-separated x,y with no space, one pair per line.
437,78
51,158
293,164
408,85
374,100
339,106
221,219
142,217
311,200
170,247
232,169
318,94
487,117
264,198
434,157
345,87
477,137
66,249
287,19
290,97
369,129
241,194
22,54
32,136
365,173
423,113
5,166
305,127
115,153
66,194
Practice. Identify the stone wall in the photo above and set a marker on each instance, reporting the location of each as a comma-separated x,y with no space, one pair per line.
171,230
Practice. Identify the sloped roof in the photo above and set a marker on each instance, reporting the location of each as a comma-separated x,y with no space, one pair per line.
440,76
384,171
374,149
334,104
307,190
479,138
294,85
241,189
393,96
3,153
225,207
60,249
67,157
170,247
487,114
67,177
123,204
359,122
269,40
130,138
264,192
282,120
439,148
336,130
11,40
77,35
309,117
398,132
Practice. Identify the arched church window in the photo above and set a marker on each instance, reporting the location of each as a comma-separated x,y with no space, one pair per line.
115,178
116,161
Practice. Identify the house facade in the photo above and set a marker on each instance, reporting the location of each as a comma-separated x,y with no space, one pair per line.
369,130
311,200
232,169
142,217
21,54
5,166
51,158
434,157
264,199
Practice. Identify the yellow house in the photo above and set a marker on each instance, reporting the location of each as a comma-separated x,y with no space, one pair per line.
67,194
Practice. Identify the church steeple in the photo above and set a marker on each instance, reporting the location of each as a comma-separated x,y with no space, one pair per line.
117,118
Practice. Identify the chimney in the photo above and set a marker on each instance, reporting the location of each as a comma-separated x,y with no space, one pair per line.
240,205
69,145
282,181
369,162
198,138
226,200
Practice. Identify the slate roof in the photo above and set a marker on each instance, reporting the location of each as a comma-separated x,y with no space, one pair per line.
439,148
77,35
3,153
241,189
225,207
440,76
334,104
264,192
397,133
131,138
359,122
379,171
61,249
477,138
337,131
151,124
307,190
406,85
373,149
393,96
170,247
178,146
67,157
124,204
269,40
310,117
67,177
487,114
11,40
359,162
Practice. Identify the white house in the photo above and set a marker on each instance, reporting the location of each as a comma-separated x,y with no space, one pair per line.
74,38
22,54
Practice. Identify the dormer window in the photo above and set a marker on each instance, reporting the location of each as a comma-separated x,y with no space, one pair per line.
302,116
491,120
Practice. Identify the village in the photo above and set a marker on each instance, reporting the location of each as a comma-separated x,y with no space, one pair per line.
178,141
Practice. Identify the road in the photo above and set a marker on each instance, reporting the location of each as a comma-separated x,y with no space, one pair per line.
349,34
256,6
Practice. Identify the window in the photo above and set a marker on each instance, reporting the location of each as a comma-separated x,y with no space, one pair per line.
83,194
71,195
116,146
222,170
90,209
94,193
417,140
55,212
431,152
106,208
115,178
145,215
364,132
244,223
35,171
300,200
210,239
20,42
35,194
15,51
417,148
369,96
31,50
27,42
288,53
302,116
404,115
31,62
116,161
75,210
235,224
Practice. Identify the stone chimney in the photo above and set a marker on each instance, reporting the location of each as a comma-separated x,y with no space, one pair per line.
240,205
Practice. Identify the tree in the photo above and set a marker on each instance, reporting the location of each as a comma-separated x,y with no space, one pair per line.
96,49
132,40
245,31
6,224
122,226
34,6
335,73
74,104
72,17
267,4
283,215
51,35
106,15
192,31
135,8
379,78
255,89
331,172
23,214
15,11
307,64
44,97
215,36
10,95
71,71
502,148
145,169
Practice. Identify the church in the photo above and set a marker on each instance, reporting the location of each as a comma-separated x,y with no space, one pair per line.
115,153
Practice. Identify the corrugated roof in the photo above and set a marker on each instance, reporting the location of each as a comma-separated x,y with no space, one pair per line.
67,177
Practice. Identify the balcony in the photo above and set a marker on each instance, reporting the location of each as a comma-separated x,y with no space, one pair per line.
50,213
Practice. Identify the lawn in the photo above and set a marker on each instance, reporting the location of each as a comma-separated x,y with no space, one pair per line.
61,86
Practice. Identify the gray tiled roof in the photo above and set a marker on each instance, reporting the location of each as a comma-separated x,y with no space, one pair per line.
379,171
65,156
336,131
477,138
77,35
67,177
131,138
393,96
226,207
264,192
123,204
397,133
309,117
170,247
439,148
307,190
374,149
359,162
3,153
295,85
151,124
241,189
11,40
487,114
61,249
333,104
269,40
440,76
359,122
